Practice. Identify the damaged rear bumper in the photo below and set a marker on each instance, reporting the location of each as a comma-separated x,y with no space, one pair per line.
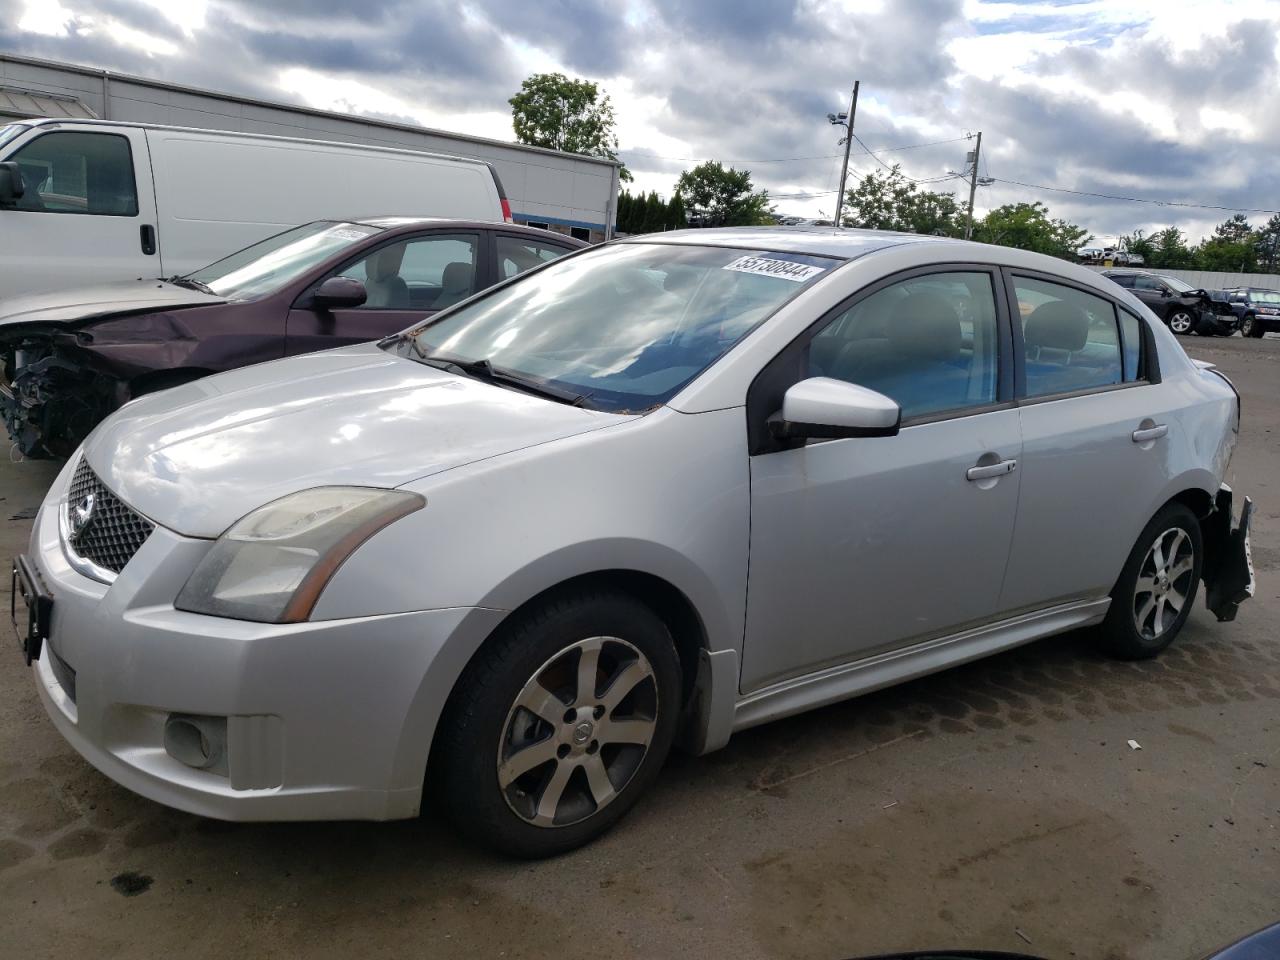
1228,564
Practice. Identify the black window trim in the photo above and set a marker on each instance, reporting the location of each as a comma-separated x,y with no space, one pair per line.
760,407
1148,360
133,175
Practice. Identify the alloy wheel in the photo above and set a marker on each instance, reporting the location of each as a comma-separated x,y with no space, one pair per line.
1246,327
1180,322
577,732
1164,583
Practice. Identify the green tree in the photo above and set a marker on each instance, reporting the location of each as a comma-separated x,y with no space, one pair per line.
575,116
1027,226
621,222
1138,242
1233,230
676,218
655,213
889,201
1228,256
1267,245
715,196
1171,250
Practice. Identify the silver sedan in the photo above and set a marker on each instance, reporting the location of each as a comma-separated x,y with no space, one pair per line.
655,492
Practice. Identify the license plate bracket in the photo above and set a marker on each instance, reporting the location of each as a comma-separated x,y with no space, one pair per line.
30,609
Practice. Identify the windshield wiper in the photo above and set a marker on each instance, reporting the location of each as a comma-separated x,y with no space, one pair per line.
484,370
191,284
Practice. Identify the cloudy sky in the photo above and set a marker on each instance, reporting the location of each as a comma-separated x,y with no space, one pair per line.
1163,99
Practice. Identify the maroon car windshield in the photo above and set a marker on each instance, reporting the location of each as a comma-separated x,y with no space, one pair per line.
269,264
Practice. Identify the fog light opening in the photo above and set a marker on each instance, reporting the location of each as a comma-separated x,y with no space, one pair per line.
199,742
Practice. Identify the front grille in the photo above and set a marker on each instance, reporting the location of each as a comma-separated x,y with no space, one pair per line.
112,532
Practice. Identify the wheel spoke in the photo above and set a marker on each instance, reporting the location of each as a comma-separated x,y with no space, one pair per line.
625,731
588,670
1181,569
1158,621
1157,555
1178,539
1175,600
525,759
624,683
598,779
1145,612
549,802
541,702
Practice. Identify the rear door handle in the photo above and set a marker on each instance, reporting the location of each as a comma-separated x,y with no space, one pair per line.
147,235
988,471
1144,434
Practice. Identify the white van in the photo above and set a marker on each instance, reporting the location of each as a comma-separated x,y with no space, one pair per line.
90,200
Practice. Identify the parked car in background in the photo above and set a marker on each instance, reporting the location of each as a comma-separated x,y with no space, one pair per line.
86,201
70,358
1184,308
1257,308
681,484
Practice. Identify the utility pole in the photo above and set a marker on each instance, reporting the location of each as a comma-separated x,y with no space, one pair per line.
973,187
847,123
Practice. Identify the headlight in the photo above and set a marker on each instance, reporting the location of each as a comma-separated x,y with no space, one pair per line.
272,564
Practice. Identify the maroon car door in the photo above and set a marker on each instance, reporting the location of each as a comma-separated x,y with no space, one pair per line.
406,279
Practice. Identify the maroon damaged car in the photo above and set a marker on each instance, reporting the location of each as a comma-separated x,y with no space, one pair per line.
72,357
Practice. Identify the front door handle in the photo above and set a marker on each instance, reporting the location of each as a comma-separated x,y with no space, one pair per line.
1145,434
147,236
991,470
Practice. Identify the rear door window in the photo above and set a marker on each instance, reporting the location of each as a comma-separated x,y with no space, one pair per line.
1071,339
71,172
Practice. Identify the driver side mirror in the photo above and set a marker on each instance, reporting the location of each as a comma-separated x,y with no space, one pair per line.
12,186
338,293
823,408
1166,292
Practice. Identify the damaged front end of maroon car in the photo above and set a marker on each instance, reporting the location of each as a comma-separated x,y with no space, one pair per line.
60,379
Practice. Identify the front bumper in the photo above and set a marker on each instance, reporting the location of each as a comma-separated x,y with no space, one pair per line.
325,720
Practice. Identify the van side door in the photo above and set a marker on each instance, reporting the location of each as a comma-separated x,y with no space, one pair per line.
87,213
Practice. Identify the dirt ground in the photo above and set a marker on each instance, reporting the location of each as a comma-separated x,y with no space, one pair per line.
995,806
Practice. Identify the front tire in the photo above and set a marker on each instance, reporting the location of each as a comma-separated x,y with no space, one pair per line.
1157,587
559,724
1181,322
1250,327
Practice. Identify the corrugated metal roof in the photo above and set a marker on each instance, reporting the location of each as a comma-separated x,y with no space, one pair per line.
29,103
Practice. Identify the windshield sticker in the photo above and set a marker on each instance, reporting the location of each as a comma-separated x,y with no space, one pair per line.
348,234
765,267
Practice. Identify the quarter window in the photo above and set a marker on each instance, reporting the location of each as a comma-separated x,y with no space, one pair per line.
516,255
429,273
1131,337
1071,338
930,343
86,173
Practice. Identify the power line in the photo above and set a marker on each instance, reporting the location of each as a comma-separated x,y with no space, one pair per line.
825,156
1160,203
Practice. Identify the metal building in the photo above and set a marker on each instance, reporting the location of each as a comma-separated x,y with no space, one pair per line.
568,193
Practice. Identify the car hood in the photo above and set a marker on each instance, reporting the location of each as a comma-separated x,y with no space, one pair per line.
104,299
200,456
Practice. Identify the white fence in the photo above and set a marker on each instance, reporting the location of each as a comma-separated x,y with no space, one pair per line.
1210,280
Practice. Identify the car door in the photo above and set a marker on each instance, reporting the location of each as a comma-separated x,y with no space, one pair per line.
406,278
1151,292
88,213
862,545
1095,422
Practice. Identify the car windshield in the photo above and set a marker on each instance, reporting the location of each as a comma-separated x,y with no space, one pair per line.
269,264
1266,296
1177,284
623,327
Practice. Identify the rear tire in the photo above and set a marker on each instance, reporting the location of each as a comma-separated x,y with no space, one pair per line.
1181,322
1157,587
559,724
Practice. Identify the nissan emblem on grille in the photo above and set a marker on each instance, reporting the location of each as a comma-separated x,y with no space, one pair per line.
102,528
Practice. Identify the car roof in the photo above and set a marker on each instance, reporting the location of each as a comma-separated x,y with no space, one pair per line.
840,242
413,223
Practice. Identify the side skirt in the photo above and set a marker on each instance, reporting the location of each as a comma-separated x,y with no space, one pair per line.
884,670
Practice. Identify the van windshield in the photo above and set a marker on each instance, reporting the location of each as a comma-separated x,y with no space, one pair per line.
268,265
9,131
